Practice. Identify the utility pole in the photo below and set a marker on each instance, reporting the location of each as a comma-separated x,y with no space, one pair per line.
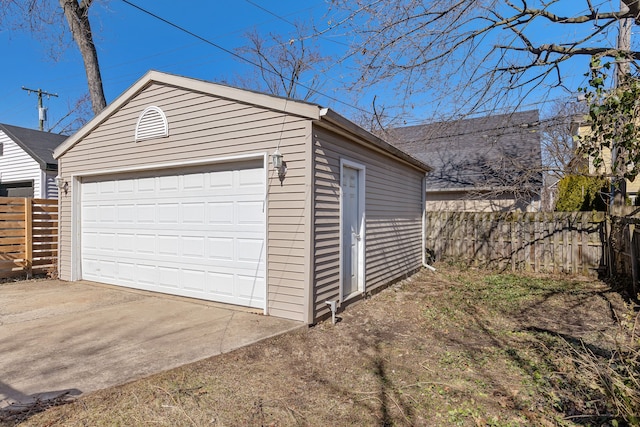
42,112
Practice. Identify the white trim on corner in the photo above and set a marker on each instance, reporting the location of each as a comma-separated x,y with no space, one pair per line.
362,214
424,220
43,185
265,210
76,200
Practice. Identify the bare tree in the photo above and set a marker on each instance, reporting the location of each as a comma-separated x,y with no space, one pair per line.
558,129
77,14
286,65
560,157
51,23
480,54
78,113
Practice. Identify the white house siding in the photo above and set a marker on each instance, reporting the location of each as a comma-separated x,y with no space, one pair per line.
393,209
17,165
202,126
49,190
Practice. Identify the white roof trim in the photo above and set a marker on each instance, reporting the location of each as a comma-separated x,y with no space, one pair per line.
152,123
293,107
329,117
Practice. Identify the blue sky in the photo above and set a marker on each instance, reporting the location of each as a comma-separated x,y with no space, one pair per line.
130,43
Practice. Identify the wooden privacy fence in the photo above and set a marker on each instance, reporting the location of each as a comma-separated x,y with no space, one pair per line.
625,249
28,236
540,241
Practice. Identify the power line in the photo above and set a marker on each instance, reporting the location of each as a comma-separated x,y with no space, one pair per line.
236,55
315,34
270,12
42,111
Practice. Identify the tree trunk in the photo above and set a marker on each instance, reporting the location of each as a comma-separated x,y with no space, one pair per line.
77,14
619,183
634,8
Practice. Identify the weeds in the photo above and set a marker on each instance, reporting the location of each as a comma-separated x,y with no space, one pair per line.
617,377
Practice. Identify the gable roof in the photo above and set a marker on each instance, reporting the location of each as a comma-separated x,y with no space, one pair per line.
299,108
304,109
38,144
485,153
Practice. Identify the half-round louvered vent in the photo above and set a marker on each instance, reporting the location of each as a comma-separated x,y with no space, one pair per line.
152,123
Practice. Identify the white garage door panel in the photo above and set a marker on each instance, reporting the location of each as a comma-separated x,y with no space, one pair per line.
199,234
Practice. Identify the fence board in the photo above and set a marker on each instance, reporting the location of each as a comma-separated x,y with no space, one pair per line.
12,264
28,236
544,242
42,262
11,216
46,209
625,245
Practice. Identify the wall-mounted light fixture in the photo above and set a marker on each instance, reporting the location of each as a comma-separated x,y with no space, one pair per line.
276,158
62,184
279,164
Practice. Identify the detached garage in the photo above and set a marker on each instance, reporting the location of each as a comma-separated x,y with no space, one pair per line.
202,190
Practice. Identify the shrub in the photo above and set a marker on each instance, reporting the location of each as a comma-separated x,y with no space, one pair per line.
582,193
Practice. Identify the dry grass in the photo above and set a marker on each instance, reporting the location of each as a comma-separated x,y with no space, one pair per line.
459,347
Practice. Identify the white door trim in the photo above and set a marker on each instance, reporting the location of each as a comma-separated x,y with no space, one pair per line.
362,216
76,270
187,163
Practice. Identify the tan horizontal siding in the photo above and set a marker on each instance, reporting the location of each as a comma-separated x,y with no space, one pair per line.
288,311
290,280
284,244
393,209
186,146
284,236
202,126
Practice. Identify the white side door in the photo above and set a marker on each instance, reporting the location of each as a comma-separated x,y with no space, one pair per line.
352,224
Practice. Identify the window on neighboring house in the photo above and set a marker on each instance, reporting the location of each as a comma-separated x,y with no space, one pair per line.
1,149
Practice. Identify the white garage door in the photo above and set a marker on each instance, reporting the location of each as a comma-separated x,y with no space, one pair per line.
197,232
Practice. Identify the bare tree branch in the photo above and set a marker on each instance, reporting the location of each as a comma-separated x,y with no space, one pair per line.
486,52
51,23
284,63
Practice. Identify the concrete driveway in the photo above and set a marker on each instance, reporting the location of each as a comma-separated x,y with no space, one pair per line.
58,337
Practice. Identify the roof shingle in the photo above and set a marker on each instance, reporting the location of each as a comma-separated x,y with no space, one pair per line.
493,152
37,144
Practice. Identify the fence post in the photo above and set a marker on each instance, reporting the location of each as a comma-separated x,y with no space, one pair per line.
634,260
28,235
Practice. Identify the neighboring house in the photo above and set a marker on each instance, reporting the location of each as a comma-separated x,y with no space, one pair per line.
172,189
27,166
491,163
632,187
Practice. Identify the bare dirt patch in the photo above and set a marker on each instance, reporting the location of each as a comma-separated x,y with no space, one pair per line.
459,347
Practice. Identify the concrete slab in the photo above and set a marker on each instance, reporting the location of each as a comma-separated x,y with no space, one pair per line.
59,337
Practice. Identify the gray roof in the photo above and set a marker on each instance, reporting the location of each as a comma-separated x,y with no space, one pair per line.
485,153
39,145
